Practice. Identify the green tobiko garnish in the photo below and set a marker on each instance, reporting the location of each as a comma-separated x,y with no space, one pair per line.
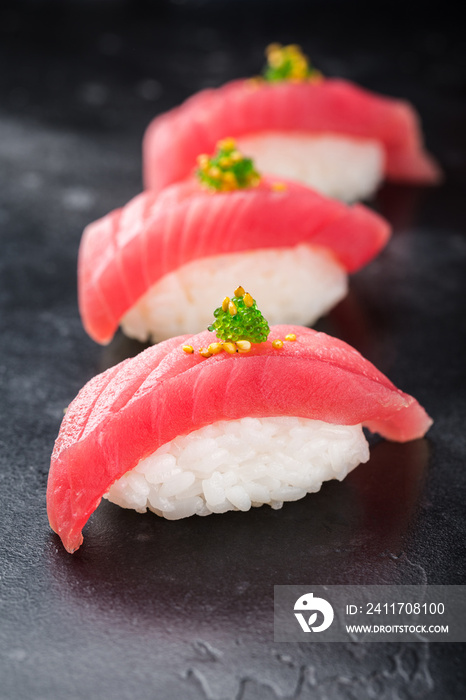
288,63
227,169
240,319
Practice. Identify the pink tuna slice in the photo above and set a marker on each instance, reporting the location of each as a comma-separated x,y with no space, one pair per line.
123,254
129,411
242,108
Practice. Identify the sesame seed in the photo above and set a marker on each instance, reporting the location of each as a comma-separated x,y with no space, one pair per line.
215,348
228,144
243,345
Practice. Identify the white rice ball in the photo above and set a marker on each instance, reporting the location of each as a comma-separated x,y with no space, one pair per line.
290,285
233,465
345,168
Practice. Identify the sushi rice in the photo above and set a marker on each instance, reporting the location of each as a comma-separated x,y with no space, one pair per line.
294,285
233,465
344,168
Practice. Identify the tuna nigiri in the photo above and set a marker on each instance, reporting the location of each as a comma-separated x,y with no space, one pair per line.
227,419
329,133
158,265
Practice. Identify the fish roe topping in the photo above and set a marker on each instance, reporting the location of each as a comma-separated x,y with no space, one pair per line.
227,169
288,63
240,320
238,324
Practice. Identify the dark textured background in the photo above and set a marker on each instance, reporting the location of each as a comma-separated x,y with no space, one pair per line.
183,610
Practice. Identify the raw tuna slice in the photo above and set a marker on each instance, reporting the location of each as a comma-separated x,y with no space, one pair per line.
125,414
123,255
331,109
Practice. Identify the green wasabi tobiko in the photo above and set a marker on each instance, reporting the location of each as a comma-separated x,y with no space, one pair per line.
227,169
288,63
240,319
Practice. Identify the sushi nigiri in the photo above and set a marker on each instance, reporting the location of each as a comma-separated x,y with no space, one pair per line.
157,266
233,417
328,133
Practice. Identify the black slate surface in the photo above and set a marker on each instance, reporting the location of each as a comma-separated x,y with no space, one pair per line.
154,609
